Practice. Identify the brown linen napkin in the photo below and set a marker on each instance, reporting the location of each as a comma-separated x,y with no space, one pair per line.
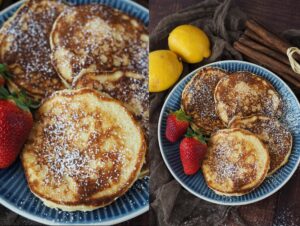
170,203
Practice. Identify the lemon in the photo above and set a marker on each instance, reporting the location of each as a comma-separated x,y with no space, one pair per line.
190,43
164,70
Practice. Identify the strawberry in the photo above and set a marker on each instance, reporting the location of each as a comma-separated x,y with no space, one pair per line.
15,124
192,152
177,125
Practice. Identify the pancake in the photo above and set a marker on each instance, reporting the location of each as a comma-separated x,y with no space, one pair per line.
85,150
133,93
118,63
25,48
273,134
99,40
244,94
236,162
130,89
198,100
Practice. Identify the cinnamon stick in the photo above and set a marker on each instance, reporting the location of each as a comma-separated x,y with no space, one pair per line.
270,38
263,49
269,62
255,37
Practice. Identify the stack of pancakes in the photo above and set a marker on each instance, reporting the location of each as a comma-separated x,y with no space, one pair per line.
240,112
88,67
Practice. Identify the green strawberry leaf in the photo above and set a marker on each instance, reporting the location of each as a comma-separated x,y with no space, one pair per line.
24,102
4,94
5,72
180,115
197,135
20,99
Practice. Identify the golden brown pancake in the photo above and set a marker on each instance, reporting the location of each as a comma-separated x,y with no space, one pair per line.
244,94
198,100
99,40
132,90
25,48
107,51
236,162
85,150
274,135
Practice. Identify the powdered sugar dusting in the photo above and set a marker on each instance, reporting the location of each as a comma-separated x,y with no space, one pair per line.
290,119
132,91
231,162
244,94
276,137
101,39
79,151
120,48
227,168
29,47
198,99
286,217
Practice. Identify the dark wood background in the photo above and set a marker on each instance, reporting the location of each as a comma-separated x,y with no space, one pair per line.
9,218
278,15
282,208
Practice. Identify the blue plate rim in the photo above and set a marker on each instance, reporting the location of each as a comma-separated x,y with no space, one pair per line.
45,221
165,158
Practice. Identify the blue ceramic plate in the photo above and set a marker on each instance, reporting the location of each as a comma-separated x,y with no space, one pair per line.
15,194
196,184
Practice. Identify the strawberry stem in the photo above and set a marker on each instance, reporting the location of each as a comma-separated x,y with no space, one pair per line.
180,115
4,72
20,99
197,135
4,94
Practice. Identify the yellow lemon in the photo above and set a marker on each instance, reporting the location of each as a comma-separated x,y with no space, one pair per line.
190,43
164,70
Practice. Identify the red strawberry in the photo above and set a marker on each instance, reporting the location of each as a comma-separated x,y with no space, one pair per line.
15,125
177,125
192,152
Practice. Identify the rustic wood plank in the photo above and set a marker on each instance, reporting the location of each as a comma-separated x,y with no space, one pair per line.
161,8
277,15
288,204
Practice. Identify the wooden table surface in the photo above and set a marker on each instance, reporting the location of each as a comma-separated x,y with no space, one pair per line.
14,219
282,208
277,15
